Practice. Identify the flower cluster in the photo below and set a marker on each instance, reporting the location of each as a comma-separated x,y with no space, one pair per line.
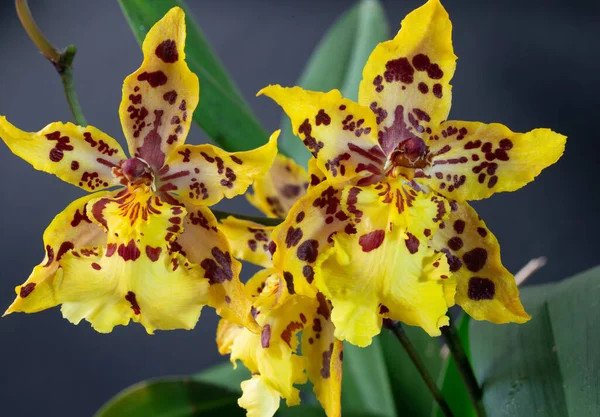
379,227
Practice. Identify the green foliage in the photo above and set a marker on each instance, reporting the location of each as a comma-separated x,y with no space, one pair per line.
222,112
337,63
550,365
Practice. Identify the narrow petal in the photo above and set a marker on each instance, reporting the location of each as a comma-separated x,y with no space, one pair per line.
277,191
384,269
472,160
340,134
406,81
71,230
82,156
160,97
485,288
202,243
259,399
249,241
324,356
204,174
306,234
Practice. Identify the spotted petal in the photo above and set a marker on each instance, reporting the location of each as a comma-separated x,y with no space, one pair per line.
160,97
249,241
473,160
202,243
324,355
204,174
71,230
276,192
384,270
82,156
339,133
406,81
305,234
485,289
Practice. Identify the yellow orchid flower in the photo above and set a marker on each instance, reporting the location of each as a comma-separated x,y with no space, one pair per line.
402,175
150,251
273,356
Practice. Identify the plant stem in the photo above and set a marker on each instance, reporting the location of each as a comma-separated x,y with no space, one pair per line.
265,221
62,61
464,367
398,331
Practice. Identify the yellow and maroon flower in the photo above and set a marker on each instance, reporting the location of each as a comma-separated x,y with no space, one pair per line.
273,356
150,251
398,178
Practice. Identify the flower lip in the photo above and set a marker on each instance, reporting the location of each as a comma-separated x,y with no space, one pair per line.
135,171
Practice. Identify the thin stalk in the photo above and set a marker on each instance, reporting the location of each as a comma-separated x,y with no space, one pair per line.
62,61
265,221
398,331
464,368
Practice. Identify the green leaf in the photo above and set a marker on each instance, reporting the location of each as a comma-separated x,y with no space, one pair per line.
337,62
411,395
225,376
173,397
365,383
450,381
549,366
222,112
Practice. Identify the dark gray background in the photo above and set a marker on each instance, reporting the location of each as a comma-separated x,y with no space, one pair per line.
526,64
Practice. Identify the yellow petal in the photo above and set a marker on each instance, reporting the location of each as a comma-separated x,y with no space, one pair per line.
306,234
406,81
324,355
82,156
70,230
384,269
204,174
485,289
340,134
259,399
202,243
276,191
249,241
160,97
473,160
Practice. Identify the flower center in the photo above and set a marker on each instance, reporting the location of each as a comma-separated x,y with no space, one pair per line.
410,153
135,171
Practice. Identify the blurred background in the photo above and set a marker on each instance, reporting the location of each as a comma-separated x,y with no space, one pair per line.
525,64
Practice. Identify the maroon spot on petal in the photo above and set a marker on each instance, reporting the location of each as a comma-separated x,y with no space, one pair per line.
218,270
455,243
323,308
265,336
170,97
299,217
493,180
437,90
459,226
383,309
421,62
26,289
475,259
133,301
427,232
371,240
167,51
129,252
272,247
64,248
308,251
399,70
293,237
308,273
435,72
326,368
506,144
291,190
322,118
111,248
236,159
481,289
423,88
289,332
482,232
96,266
155,79
289,282
153,253
412,243
74,166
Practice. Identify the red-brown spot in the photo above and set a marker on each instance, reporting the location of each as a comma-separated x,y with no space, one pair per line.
111,249
435,72
371,240
399,70
265,336
96,266
309,273
64,248
308,251
153,253
133,301
289,281
326,368
129,252
482,232
219,271
26,289
74,166
289,332
421,62
455,243
293,237
423,88
481,289
170,97
437,90
412,243
167,51
459,226
475,259
322,118
155,79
